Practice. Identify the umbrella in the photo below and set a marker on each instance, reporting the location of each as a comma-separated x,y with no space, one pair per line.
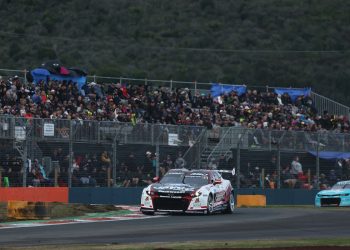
40,71
80,71
64,71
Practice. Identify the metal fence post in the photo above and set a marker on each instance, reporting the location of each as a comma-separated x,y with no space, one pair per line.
152,134
25,77
318,161
198,154
262,177
24,162
157,159
114,162
278,166
70,167
238,165
98,132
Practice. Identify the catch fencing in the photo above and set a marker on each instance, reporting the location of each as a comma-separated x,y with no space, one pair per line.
264,158
46,152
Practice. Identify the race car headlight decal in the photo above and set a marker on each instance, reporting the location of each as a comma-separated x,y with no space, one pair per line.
150,192
344,194
196,194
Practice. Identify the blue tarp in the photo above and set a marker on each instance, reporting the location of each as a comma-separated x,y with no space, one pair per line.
293,93
330,155
41,74
219,89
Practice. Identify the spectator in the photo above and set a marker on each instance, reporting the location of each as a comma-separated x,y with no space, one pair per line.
132,164
38,175
287,178
212,164
167,163
180,161
333,177
148,163
296,167
338,171
222,162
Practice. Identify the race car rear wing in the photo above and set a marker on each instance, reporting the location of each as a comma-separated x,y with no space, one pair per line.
233,171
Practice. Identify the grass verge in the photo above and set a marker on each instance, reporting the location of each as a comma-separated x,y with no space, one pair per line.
251,244
62,210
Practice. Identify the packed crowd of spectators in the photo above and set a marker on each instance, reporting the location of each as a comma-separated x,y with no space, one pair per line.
145,103
150,104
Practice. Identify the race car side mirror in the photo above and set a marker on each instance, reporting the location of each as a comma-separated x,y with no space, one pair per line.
156,179
216,182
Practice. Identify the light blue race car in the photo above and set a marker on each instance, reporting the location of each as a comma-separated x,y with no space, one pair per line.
337,196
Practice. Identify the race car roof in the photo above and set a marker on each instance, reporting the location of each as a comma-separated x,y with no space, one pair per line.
343,182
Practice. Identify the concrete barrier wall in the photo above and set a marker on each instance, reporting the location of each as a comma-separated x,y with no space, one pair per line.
284,196
122,196
131,196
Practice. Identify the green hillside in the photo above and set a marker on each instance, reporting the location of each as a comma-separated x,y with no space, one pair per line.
255,42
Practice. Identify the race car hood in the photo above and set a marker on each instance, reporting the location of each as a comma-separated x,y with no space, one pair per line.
334,192
173,188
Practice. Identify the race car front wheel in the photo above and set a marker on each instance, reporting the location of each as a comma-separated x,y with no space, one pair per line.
210,205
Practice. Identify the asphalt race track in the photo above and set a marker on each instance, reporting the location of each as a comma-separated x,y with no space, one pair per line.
245,223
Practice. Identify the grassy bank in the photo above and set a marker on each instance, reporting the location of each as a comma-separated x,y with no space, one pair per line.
62,210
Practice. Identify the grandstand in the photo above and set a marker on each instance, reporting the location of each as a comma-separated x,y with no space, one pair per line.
122,132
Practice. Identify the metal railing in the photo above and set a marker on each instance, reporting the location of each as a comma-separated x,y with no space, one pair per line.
193,155
323,103
228,140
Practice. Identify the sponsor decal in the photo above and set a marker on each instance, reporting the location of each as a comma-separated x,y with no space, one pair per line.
170,196
219,196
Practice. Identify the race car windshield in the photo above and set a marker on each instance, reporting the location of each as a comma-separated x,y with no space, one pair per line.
341,186
172,178
196,180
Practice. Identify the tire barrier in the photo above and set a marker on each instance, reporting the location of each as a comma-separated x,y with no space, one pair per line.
24,210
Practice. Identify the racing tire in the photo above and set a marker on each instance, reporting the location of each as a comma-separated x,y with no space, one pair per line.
210,205
147,212
230,204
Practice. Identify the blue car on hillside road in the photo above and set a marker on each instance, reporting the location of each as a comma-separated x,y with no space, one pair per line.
337,196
